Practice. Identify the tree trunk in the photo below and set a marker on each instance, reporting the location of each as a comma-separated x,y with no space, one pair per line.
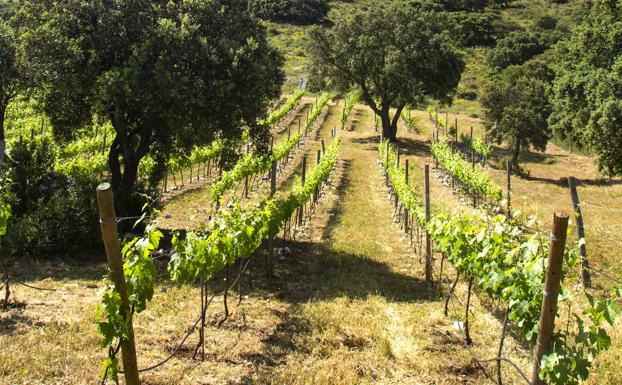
389,125
387,131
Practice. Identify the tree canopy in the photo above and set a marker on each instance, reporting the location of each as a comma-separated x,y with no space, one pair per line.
10,76
516,107
167,75
290,11
587,91
395,55
515,49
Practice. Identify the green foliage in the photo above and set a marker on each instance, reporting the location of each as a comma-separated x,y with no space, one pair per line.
475,180
139,273
479,147
5,208
515,49
252,164
508,264
10,73
474,29
409,120
236,231
516,107
393,54
290,11
351,101
574,351
127,70
586,95
279,114
396,175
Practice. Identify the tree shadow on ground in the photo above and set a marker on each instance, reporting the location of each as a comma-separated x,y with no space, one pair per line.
532,157
413,147
27,269
16,323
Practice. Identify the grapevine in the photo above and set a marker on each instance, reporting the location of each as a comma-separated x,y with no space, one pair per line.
508,264
277,115
253,165
474,180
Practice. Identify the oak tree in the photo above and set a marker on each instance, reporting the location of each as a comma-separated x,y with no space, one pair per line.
167,75
394,54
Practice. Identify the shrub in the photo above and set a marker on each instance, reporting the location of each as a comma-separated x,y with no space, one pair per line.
52,213
473,29
515,49
290,11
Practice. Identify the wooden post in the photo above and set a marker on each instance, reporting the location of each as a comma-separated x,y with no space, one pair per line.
428,242
585,274
471,144
319,156
405,208
303,179
108,220
551,291
456,130
271,143
323,147
398,156
508,170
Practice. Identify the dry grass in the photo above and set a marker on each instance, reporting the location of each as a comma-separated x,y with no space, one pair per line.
349,307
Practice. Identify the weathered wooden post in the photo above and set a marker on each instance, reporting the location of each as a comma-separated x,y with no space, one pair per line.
576,204
303,179
405,208
551,291
108,221
323,147
428,241
471,143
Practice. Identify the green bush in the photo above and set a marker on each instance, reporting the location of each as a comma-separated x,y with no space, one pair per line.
65,223
473,29
515,49
290,11
52,214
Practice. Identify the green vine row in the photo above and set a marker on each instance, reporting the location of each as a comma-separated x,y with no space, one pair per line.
252,164
280,113
235,233
350,102
475,181
509,265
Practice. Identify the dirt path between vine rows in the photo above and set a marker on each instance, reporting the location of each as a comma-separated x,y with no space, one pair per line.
364,313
